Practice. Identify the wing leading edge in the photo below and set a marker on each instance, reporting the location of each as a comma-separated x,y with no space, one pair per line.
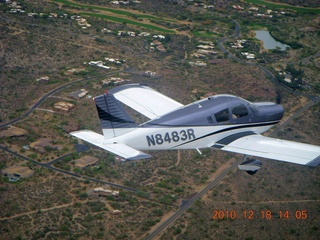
257,145
122,150
145,100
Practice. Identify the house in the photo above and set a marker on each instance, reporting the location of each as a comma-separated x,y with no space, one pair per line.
149,74
85,161
124,2
74,70
198,55
78,94
106,30
237,7
200,64
106,192
45,144
161,48
15,173
98,64
13,131
269,11
114,80
54,15
71,127
83,22
126,33
287,77
159,36
63,106
44,79
116,212
205,47
248,55
144,34
206,52
156,42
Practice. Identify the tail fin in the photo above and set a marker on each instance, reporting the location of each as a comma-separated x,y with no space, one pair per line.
114,120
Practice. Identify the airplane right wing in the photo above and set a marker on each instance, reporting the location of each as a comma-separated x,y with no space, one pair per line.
250,143
145,100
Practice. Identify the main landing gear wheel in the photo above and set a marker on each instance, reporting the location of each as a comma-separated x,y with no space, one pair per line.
250,165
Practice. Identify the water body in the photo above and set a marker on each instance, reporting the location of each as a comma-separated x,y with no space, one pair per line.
268,41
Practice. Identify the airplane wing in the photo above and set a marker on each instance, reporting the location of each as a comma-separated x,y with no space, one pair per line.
254,144
145,100
121,150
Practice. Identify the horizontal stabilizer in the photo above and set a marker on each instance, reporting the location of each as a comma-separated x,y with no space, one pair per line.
121,150
277,149
145,100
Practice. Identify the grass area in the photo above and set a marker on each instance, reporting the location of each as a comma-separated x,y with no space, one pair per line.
285,6
127,21
115,11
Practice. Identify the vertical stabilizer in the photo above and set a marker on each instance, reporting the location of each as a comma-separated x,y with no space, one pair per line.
114,120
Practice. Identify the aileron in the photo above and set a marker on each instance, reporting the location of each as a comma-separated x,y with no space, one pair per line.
277,149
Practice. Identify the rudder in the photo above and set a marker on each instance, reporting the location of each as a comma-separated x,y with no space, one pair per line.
114,120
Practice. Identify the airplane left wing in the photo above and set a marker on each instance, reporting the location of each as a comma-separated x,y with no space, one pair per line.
121,150
254,144
145,100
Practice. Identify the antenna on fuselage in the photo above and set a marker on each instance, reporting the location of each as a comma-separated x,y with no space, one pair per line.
194,99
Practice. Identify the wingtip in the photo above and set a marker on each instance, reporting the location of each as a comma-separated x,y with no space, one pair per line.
315,162
140,156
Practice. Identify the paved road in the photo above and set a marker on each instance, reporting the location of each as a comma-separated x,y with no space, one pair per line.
297,114
41,100
212,184
189,203
48,165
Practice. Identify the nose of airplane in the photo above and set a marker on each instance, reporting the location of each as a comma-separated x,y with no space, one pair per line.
273,112
270,111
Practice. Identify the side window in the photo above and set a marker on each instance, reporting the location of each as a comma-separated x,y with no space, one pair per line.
239,111
222,116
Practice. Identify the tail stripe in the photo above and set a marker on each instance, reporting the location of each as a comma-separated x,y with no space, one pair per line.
111,113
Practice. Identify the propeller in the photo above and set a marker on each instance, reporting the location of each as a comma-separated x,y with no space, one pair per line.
278,97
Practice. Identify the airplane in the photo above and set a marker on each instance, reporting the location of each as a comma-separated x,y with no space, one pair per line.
223,122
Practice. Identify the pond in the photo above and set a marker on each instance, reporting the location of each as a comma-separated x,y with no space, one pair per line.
268,41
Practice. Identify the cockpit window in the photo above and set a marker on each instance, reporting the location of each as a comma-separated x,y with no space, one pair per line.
239,111
222,116
253,108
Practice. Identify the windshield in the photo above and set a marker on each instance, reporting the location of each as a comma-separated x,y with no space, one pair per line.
254,108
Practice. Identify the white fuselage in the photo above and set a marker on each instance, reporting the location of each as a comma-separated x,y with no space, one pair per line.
192,137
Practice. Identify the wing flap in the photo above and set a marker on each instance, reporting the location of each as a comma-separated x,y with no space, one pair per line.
277,149
121,150
145,100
